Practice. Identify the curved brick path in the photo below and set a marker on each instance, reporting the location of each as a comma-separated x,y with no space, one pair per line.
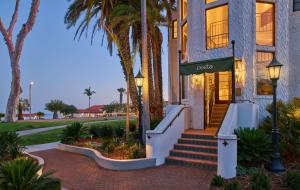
81,173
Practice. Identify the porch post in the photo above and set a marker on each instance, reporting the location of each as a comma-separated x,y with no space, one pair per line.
179,77
233,73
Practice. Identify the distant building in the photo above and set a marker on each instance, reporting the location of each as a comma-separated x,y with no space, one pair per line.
93,111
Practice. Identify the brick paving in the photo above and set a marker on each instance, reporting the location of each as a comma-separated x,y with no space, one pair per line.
78,172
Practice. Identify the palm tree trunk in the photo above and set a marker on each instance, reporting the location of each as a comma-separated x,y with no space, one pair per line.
55,115
89,105
152,103
127,111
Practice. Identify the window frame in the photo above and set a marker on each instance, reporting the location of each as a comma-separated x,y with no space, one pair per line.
256,77
173,29
294,6
225,4
181,11
274,22
182,25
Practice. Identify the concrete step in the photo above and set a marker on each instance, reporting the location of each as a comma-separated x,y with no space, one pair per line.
197,135
203,164
194,155
206,142
196,148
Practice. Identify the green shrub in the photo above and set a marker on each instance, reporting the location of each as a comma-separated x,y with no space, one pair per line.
10,147
289,127
94,130
292,180
103,131
154,123
72,133
242,170
260,181
235,185
217,181
132,128
133,138
119,131
21,174
254,147
136,152
108,146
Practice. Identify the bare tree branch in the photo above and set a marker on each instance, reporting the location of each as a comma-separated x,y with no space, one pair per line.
14,18
27,27
7,38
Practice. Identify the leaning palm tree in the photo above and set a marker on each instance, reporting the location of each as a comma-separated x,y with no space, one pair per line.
22,174
89,92
55,106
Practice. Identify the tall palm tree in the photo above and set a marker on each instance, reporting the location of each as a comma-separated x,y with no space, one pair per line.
89,92
121,91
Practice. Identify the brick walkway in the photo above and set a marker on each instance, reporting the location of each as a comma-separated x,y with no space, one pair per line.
81,173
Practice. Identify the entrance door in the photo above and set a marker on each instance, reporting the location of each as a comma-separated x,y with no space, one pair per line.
223,87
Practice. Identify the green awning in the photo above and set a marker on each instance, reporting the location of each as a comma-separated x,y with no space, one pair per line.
207,66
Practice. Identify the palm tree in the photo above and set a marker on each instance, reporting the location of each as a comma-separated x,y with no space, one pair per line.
55,106
22,174
89,92
40,114
22,106
121,91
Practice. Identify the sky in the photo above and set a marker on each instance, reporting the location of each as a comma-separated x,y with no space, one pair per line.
61,67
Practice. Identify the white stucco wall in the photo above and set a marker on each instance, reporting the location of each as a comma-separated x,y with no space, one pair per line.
242,29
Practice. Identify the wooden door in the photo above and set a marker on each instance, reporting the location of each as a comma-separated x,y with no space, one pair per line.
223,87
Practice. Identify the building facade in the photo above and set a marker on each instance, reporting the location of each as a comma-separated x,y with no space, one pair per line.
203,31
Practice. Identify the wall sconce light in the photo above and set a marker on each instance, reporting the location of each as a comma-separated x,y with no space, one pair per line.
197,81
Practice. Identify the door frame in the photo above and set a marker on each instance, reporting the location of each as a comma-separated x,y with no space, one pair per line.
217,83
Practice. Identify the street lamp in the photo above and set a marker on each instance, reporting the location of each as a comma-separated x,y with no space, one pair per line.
30,89
274,69
139,80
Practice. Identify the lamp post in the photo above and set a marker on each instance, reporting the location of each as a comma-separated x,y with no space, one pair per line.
274,69
139,80
30,92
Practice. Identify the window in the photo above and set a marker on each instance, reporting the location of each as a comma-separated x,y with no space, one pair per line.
174,29
210,1
184,38
217,27
265,24
296,6
263,84
184,9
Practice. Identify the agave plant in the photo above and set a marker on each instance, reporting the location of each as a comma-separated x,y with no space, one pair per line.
21,174
10,147
72,133
254,147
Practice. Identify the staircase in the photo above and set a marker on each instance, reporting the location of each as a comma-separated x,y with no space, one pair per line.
217,115
195,148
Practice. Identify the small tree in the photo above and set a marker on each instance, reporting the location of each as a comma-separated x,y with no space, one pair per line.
22,106
69,110
40,114
89,92
1,116
55,106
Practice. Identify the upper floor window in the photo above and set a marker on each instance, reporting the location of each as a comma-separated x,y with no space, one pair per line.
296,5
210,1
174,29
184,38
217,27
265,24
184,9
263,84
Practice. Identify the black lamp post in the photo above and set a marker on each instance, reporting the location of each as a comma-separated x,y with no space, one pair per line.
139,80
274,69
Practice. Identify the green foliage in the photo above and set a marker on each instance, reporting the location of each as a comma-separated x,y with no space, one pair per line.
235,185
72,133
40,114
1,116
68,110
154,123
21,174
55,106
133,138
289,127
10,147
254,147
104,131
241,170
108,146
114,107
260,181
292,180
119,131
136,152
89,92
217,181
132,128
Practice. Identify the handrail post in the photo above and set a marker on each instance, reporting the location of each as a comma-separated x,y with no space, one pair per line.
233,74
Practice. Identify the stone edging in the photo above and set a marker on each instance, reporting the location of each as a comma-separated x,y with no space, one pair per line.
108,163
40,161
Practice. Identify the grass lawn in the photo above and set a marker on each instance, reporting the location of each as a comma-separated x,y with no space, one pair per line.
25,125
55,134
